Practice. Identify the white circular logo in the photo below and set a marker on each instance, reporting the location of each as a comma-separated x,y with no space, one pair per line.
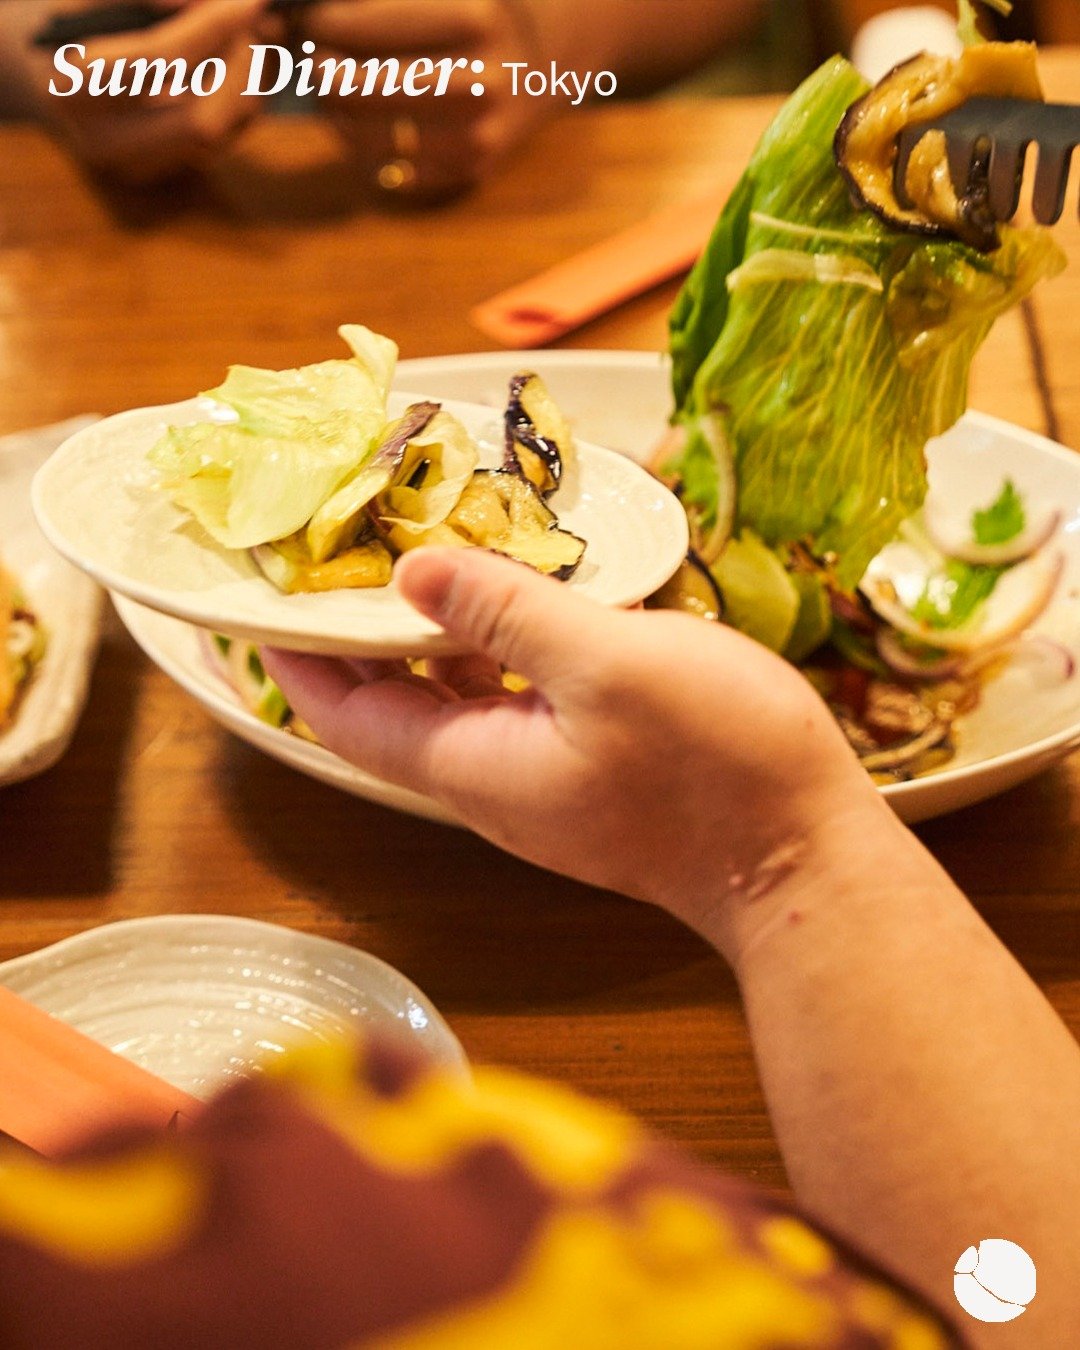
994,1281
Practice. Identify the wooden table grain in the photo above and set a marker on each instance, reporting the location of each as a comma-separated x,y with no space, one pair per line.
107,304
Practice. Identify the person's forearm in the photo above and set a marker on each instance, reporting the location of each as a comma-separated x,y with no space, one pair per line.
644,42
924,1094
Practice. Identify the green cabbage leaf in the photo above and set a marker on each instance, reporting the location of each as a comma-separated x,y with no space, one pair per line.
833,346
296,436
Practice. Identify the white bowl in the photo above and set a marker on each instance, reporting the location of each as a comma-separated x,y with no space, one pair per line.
200,999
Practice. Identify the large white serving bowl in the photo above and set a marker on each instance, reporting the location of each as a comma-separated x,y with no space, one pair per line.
1027,719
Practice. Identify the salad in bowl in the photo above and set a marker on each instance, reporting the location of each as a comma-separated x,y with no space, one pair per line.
823,339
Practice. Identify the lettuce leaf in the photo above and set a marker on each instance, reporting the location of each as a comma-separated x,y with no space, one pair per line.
446,455
296,436
832,371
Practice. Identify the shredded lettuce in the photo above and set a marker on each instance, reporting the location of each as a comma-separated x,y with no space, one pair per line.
297,435
833,345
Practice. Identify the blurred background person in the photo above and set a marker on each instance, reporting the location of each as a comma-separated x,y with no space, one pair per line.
425,148
417,147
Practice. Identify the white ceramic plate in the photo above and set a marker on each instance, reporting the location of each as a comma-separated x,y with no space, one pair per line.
200,999
98,502
68,603
1024,723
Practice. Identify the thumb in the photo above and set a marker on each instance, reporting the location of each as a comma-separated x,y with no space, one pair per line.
531,623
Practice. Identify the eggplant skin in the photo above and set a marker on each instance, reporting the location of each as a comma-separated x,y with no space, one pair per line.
692,590
918,90
537,437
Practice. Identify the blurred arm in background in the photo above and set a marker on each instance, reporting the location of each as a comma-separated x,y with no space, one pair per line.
438,145
136,139
433,147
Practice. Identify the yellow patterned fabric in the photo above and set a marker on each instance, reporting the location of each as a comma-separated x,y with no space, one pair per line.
355,1197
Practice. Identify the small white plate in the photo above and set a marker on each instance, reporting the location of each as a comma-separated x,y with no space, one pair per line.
98,501
201,999
1024,722
68,603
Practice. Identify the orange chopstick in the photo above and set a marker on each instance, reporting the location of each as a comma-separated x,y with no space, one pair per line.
567,295
58,1086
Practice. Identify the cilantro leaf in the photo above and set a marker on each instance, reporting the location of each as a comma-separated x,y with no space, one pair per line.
1003,520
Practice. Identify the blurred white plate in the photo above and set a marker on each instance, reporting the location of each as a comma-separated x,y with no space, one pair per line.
68,603
98,501
1024,723
200,999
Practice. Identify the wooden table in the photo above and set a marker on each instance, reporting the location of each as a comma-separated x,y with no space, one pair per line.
157,809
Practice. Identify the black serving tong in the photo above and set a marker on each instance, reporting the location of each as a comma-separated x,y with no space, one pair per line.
989,137
128,16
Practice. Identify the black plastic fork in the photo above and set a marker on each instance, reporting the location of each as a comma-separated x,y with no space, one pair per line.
991,137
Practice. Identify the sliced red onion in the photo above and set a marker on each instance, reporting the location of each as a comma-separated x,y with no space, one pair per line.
1037,533
714,431
710,426
907,664
243,679
215,657
1049,650
671,444
1016,602
850,611
21,637
897,756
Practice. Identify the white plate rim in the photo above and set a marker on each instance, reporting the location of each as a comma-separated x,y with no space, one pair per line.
70,607
1068,737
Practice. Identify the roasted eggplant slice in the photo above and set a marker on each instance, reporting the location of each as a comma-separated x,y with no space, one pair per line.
504,512
539,444
289,565
342,517
917,91
442,535
481,514
691,590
